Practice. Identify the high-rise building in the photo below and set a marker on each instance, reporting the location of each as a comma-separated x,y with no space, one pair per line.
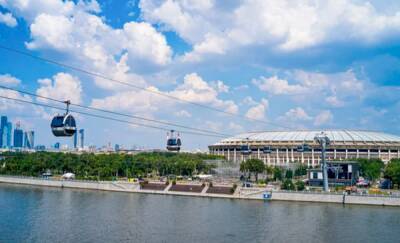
18,137
75,140
29,139
9,134
3,132
57,145
82,133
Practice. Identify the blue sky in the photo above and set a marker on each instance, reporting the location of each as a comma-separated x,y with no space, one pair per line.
300,64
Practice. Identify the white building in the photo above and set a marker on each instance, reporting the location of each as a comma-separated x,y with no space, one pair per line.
345,145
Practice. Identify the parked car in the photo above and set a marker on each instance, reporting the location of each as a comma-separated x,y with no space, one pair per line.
363,182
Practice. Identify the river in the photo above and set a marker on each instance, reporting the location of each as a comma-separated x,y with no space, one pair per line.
39,214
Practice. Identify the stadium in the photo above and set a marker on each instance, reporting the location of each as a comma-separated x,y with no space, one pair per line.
279,148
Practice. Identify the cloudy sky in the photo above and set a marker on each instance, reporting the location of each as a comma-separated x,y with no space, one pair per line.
291,63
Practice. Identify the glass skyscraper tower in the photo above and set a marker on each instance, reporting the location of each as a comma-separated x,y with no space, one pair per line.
18,137
29,140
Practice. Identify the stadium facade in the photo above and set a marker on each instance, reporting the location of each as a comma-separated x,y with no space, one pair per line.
283,145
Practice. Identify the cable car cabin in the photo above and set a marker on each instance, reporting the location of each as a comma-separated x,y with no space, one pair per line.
303,148
245,149
267,150
174,144
63,125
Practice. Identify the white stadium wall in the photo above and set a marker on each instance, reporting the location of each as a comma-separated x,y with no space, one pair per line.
345,145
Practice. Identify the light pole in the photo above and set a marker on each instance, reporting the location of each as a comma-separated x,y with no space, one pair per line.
323,141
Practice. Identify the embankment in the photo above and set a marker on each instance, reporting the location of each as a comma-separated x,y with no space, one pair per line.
240,193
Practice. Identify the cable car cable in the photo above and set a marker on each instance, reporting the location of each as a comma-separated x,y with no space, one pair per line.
107,118
116,113
99,75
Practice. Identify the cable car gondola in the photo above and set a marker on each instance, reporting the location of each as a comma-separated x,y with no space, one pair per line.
303,148
173,143
267,150
64,125
245,149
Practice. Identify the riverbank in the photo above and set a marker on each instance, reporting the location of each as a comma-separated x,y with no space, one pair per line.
239,193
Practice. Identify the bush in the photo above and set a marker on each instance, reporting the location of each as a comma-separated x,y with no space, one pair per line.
277,174
233,190
210,184
300,171
300,186
288,185
174,182
234,186
167,183
289,174
203,184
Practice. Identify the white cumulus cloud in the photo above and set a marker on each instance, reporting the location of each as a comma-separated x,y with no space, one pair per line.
8,19
258,111
62,86
7,79
323,118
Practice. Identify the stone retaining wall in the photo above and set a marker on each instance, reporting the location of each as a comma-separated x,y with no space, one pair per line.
241,193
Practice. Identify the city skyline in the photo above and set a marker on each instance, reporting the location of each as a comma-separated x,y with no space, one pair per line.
260,59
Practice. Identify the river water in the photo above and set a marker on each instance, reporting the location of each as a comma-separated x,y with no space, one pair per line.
38,214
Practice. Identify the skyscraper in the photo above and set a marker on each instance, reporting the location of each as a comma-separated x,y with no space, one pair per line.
18,137
29,140
82,133
75,140
3,133
9,134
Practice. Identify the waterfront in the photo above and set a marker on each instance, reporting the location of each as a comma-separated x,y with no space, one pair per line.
39,214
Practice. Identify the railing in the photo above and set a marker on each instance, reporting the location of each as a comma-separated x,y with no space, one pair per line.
339,193
53,179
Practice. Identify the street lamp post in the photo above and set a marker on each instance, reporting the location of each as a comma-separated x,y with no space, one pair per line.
323,141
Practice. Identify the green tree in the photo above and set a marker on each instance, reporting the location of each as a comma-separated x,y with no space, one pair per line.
288,185
269,170
371,168
278,174
300,186
289,174
392,171
244,168
300,171
255,166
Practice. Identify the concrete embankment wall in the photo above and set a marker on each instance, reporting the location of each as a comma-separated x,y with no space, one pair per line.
307,197
241,193
372,200
106,186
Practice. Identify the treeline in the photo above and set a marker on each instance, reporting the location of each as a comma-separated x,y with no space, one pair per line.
374,169
105,166
256,166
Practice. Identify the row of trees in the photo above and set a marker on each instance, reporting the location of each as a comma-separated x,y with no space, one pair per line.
255,167
392,171
374,169
105,166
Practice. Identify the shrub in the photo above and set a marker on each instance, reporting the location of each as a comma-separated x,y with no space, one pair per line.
174,182
289,174
234,186
288,185
210,184
233,190
277,174
300,186
203,184
167,183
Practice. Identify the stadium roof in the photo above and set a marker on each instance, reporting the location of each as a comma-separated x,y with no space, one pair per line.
336,136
